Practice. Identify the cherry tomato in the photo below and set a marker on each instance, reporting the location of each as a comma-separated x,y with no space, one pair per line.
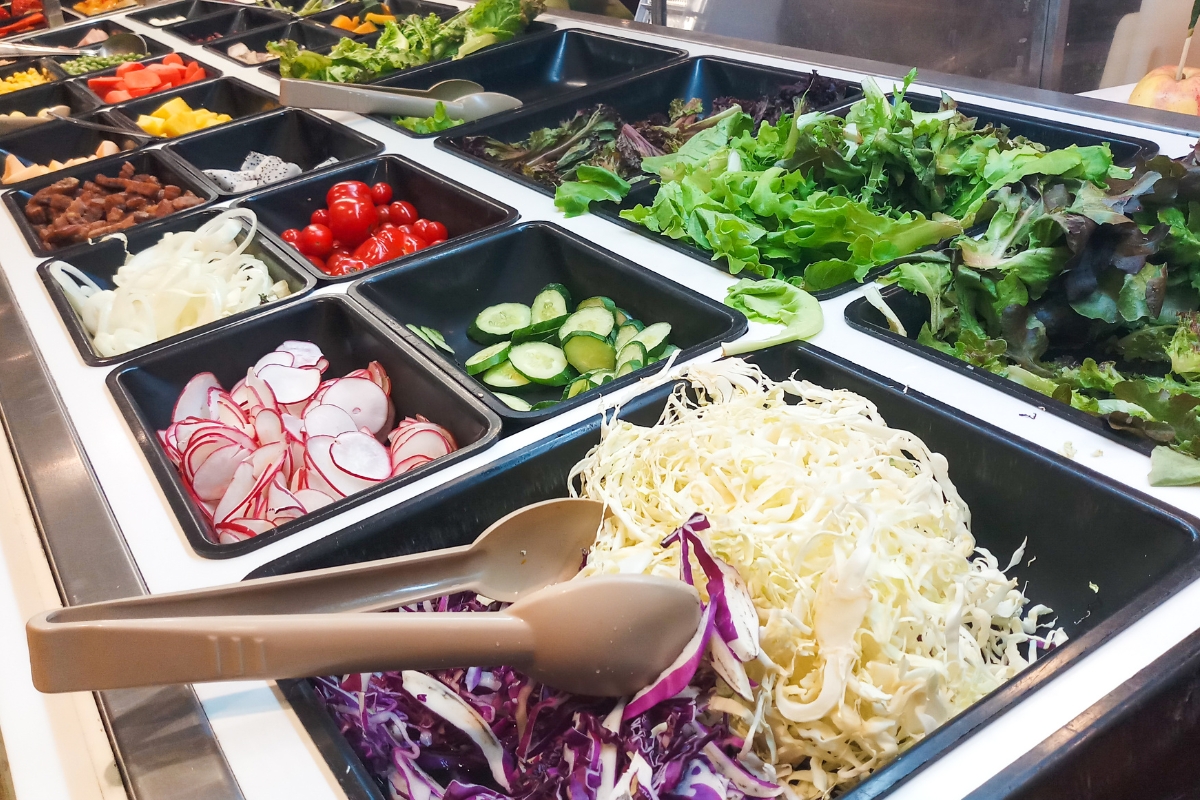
429,229
432,242
411,243
316,240
347,189
320,217
382,211
402,212
342,263
291,236
351,220
381,193
319,263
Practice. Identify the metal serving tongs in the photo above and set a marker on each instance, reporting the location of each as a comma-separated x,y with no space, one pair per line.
118,44
607,635
463,100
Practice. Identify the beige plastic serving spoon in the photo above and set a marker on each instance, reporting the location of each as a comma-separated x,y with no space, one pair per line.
388,100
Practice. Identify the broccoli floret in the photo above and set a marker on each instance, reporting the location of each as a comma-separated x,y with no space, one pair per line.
1184,348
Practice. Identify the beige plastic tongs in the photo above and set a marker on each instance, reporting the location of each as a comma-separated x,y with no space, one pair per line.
467,107
606,635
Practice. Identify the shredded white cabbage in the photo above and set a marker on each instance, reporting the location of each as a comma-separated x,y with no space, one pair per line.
186,280
879,617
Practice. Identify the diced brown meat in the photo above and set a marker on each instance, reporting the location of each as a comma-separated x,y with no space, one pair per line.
143,188
135,202
66,235
111,183
171,192
127,170
114,215
187,201
35,213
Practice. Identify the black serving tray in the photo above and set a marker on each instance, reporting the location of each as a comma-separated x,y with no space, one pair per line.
913,311
1138,741
464,212
293,134
211,73
224,23
400,8
67,93
62,140
152,162
447,290
229,96
48,64
308,35
1078,525
192,9
540,70
146,389
101,261
69,37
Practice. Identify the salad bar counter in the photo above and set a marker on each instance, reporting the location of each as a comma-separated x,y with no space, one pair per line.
898,374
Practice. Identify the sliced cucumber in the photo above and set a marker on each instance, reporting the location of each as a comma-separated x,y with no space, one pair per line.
634,351
626,333
601,377
543,331
487,358
504,376
628,367
551,302
622,316
587,351
497,322
577,386
515,403
666,353
544,404
594,319
599,301
654,337
541,363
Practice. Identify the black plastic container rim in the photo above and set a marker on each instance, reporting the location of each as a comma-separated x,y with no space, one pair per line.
122,109
80,81
154,154
855,319
737,324
467,128
43,62
95,115
161,8
360,786
83,341
173,28
220,46
510,214
334,125
192,522
85,100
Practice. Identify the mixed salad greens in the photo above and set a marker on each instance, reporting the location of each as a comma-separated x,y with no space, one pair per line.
439,121
410,42
1086,294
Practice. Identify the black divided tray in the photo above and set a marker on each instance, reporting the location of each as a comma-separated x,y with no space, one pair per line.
464,212
1138,741
191,9
67,93
153,162
400,8
62,141
541,69
210,73
229,96
913,311
146,390
1078,526
70,37
48,64
308,35
447,290
302,137
101,261
224,23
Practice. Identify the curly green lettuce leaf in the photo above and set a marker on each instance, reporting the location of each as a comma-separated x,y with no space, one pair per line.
778,302
1170,468
591,184
295,62
440,121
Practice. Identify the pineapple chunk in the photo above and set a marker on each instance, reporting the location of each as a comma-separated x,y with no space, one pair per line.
176,105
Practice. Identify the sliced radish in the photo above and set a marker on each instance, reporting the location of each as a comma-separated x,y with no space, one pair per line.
276,357
193,400
304,354
213,476
362,399
237,493
268,426
327,420
264,395
312,499
409,464
299,479
281,502
227,535
361,455
379,376
323,470
291,384
268,458
293,425
429,443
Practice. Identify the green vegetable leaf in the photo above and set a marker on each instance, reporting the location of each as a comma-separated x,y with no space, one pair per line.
778,302
594,183
440,121
1171,468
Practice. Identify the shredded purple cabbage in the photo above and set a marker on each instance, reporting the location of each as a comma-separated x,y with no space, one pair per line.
552,740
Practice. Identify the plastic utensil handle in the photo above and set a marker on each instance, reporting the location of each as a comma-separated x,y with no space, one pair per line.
351,97
18,50
115,654
373,586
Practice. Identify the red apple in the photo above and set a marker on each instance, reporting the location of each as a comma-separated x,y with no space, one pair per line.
1159,89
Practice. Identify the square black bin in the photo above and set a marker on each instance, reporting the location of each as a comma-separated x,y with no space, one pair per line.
464,212
227,23
447,290
1078,526
222,96
295,135
65,93
913,312
47,65
542,69
399,8
151,162
71,37
189,9
210,73
62,141
146,390
101,261
308,35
